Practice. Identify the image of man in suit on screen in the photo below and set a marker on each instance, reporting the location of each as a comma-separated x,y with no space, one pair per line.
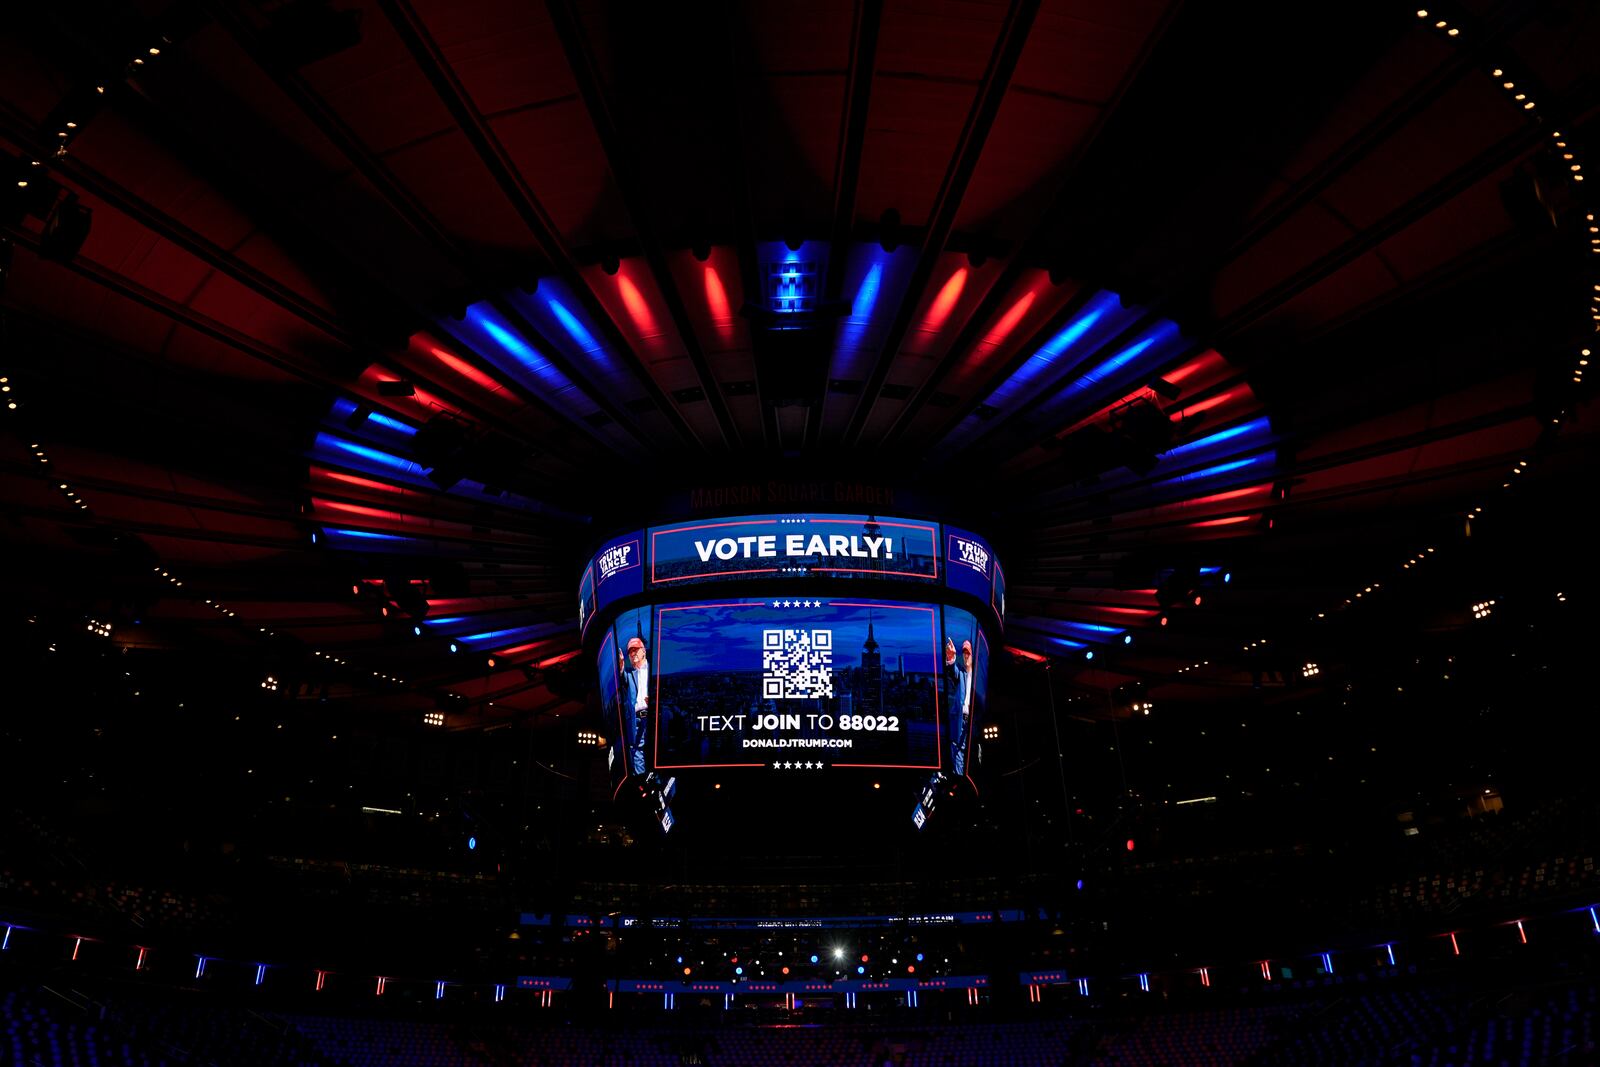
636,701
635,696
960,681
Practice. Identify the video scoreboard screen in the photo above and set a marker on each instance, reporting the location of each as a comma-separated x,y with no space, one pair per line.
790,673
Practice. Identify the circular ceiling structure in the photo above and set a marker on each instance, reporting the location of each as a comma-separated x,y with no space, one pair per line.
339,336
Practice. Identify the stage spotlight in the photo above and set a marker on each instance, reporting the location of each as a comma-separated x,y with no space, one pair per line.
838,953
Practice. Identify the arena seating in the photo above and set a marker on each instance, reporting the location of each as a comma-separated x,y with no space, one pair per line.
1428,1024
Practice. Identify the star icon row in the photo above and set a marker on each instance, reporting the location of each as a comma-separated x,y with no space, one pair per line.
797,603
797,765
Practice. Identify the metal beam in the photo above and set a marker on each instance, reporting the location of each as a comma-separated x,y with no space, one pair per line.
947,204
399,198
847,168
627,176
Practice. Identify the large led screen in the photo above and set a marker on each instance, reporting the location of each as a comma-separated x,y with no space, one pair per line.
794,545
828,681
810,682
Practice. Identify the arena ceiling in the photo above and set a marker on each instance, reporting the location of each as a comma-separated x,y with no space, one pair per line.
317,310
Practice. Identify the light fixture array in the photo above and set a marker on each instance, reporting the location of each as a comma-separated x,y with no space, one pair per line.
1520,93
76,500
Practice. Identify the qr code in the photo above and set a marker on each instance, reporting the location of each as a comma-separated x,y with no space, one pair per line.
796,664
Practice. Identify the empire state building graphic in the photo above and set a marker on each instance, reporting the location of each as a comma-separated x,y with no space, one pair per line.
871,675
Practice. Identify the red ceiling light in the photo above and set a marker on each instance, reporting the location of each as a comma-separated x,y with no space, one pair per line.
1204,405
1231,494
638,308
945,302
717,302
1008,322
463,368
354,479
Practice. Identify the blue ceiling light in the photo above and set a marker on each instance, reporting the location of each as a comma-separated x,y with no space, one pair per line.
867,295
854,330
1146,352
338,450
1051,352
1253,428
575,329
792,286
492,336
1220,468
344,409
334,531
790,280
1092,627
378,418
879,279
472,844
493,634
